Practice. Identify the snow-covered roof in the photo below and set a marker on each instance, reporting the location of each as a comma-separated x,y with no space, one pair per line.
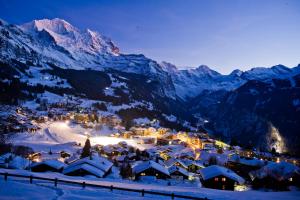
181,170
215,170
52,163
18,162
121,158
14,161
221,158
5,156
172,161
279,171
89,168
250,162
96,161
184,162
142,166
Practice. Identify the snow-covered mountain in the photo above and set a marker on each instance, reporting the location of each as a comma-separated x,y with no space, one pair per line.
53,56
191,82
69,37
57,41
41,42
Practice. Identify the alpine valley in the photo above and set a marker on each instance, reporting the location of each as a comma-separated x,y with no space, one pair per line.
53,62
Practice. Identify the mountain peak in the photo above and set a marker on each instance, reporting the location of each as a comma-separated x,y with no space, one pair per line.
281,69
55,25
236,72
168,67
77,42
204,70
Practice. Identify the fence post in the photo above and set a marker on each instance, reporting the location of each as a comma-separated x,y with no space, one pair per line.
83,184
143,192
30,179
111,188
172,195
55,182
5,176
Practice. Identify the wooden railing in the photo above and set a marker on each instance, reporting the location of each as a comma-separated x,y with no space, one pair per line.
111,187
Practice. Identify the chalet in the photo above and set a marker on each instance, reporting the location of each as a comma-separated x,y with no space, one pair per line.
138,130
127,134
218,177
206,157
150,132
193,166
207,144
94,165
243,166
169,136
163,131
147,140
162,141
48,165
121,159
150,168
277,176
165,154
174,142
186,153
12,161
176,162
178,173
113,150
247,153
221,144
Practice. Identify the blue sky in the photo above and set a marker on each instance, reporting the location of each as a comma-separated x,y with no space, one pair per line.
223,34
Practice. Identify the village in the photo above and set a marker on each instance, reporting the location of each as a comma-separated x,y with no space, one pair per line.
143,152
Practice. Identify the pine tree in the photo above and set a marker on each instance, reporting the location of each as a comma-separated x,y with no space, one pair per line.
125,170
212,160
138,154
86,151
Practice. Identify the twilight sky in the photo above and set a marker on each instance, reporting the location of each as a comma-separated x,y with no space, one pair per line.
224,35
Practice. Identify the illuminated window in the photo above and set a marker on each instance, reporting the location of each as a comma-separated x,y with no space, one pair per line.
291,179
223,179
216,179
143,174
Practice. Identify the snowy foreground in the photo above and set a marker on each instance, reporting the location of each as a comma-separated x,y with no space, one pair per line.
20,188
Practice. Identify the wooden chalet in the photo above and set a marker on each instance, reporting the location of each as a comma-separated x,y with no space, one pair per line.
218,177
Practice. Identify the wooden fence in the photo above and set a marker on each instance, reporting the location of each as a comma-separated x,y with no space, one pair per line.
111,187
